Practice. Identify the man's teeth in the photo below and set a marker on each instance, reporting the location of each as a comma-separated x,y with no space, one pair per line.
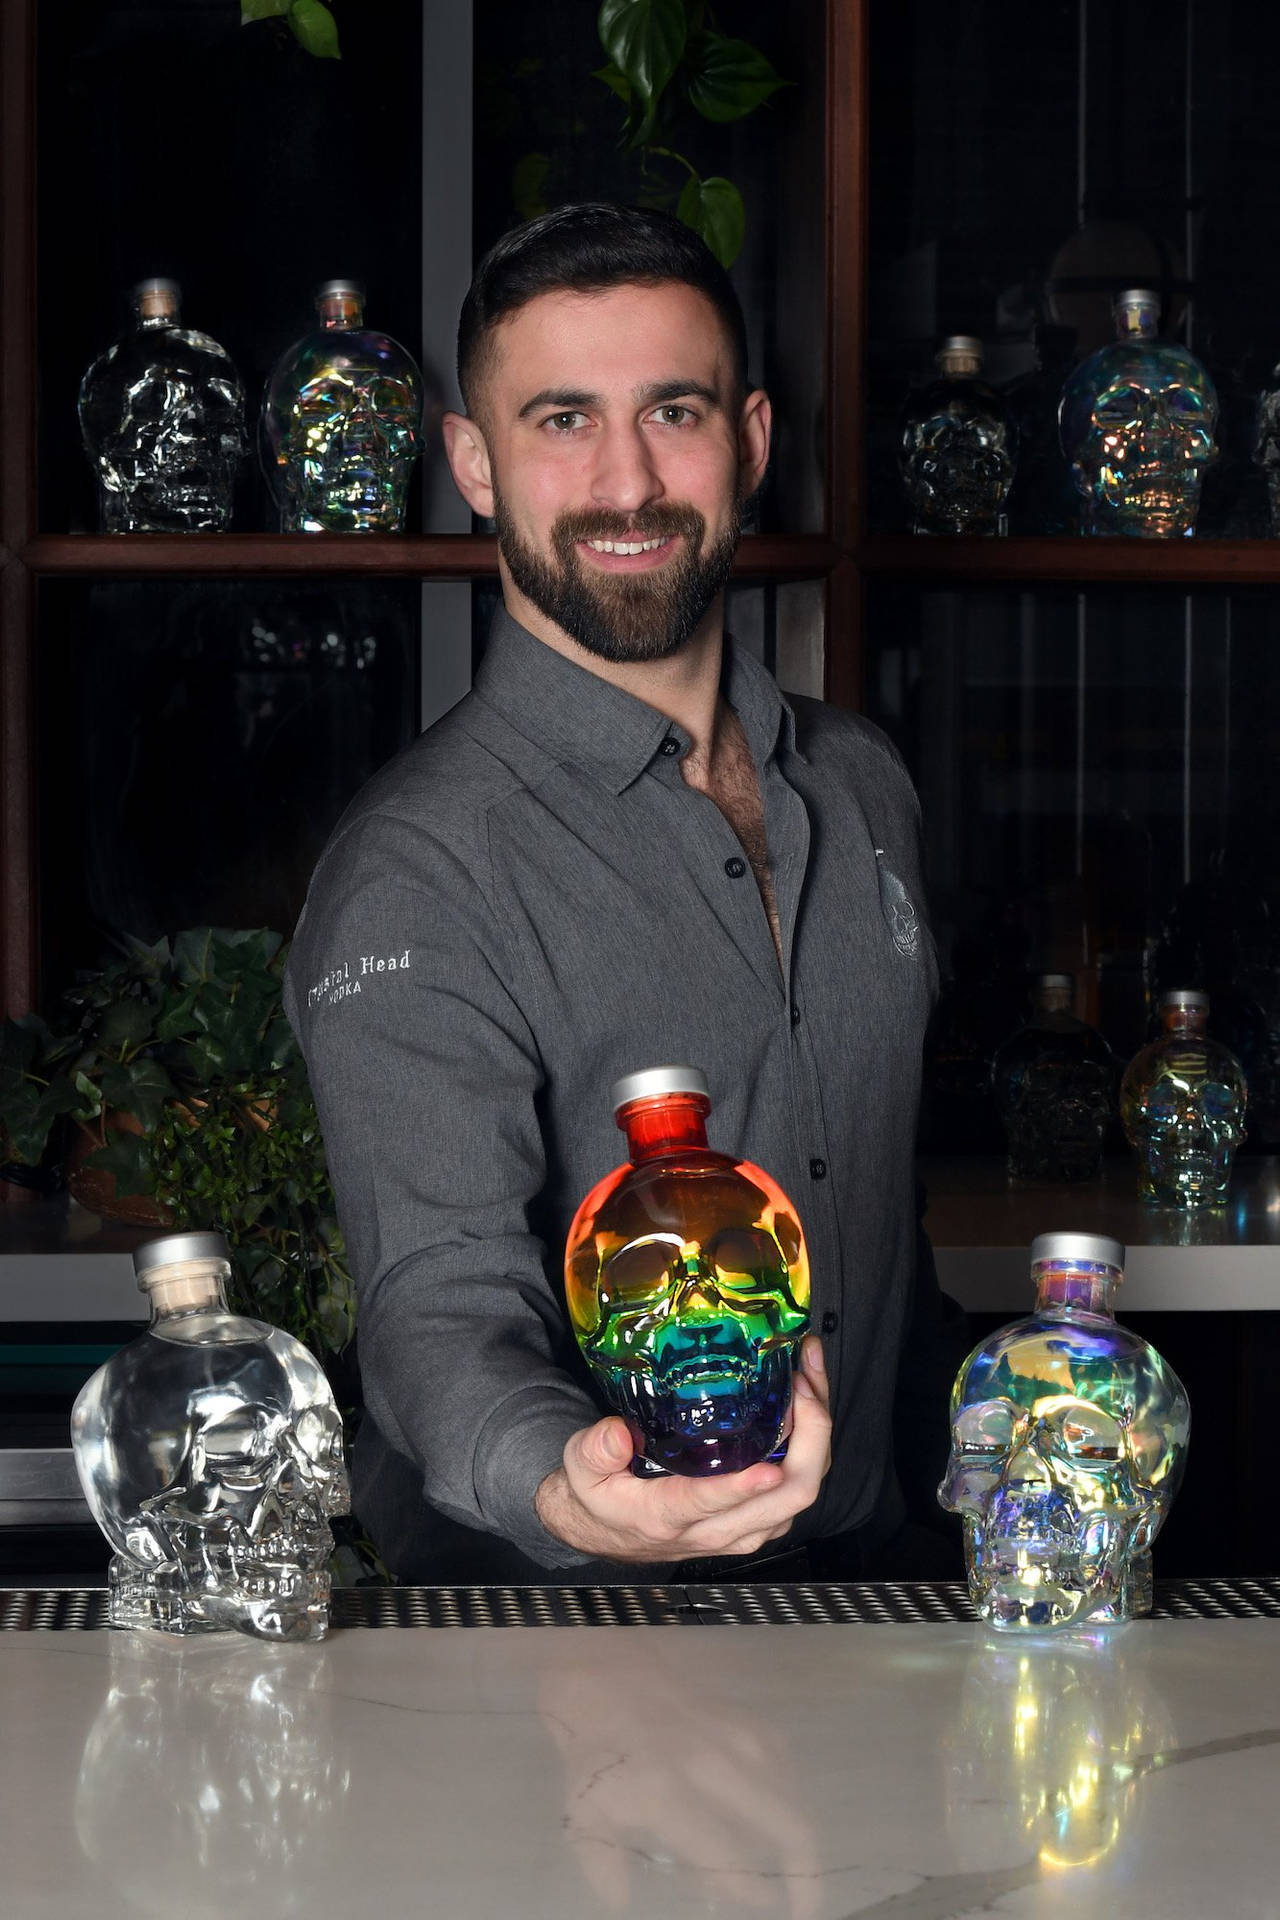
628,546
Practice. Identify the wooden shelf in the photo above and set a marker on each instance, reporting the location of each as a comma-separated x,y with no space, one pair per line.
1068,560
421,556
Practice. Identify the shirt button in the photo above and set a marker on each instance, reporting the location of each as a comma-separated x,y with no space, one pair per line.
818,1169
795,1016
735,868
830,1321
670,745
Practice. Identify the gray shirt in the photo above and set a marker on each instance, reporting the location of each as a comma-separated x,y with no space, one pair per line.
529,902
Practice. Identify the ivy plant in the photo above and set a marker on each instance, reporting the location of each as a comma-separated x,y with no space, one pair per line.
665,58
189,1038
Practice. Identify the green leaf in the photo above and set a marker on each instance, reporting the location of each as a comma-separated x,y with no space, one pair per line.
644,39
140,1088
126,1158
616,81
251,10
315,28
127,1024
714,209
728,78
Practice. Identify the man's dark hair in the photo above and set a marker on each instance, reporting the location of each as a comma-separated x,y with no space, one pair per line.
585,248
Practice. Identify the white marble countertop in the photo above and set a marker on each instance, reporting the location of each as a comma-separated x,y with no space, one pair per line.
813,1772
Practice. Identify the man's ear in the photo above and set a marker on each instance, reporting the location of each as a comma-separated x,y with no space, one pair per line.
755,430
464,443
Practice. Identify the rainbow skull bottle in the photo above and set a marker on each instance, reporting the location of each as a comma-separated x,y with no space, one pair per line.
1068,1439
688,1286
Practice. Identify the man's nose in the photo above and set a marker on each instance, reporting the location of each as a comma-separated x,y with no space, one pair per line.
625,475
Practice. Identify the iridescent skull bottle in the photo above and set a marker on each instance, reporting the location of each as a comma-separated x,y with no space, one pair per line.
1137,422
210,1453
1068,1440
342,423
687,1285
162,418
958,447
1054,1083
1182,1102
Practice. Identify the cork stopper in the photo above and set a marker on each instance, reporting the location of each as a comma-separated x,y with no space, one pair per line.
157,299
1137,313
340,303
959,357
182,1272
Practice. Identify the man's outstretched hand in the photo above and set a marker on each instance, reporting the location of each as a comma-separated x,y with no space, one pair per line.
596,1504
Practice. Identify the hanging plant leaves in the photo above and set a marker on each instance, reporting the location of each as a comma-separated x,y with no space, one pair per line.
315,28
251,10
644,39
141,1088
728,78
714,209
615,80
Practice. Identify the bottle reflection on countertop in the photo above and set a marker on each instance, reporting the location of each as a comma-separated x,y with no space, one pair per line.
213,1765
1049,1746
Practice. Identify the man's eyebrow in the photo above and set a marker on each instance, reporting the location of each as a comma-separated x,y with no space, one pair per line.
567,399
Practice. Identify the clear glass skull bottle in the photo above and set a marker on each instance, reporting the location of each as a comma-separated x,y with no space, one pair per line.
210,1453
1182,1102
162,418
342,423
1068,1440
687,1285
958,447
1054,1083
1137,422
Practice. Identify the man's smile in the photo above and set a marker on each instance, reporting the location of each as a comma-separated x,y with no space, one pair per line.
628,556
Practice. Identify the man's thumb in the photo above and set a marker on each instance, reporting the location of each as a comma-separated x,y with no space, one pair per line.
606,1447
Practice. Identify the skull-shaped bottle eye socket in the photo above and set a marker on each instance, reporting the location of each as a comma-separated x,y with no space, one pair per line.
1119,405
1218,1102
745,1259
639,1273
238,1437
984,1431
1086,1435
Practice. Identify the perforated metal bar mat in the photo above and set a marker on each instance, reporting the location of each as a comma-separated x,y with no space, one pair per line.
867,1603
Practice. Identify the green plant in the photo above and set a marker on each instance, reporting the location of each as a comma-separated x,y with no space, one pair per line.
666,56
310,22
189,1038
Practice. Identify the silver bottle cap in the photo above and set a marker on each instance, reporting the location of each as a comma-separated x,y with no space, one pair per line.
156,299
171,1248
652,1082
1184,997
340,290
1136,297
1099,1249
1054,980
960,353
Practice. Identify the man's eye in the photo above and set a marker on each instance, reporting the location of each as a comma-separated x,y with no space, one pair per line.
566,422
674,415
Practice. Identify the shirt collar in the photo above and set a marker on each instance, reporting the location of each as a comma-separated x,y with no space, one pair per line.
574,715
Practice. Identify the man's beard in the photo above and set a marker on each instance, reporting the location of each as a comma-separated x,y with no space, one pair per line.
626,616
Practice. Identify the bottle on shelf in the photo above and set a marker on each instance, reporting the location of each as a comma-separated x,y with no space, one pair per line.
210,1453
162,419
1266,444
1054,1082
1068,1440
1182,1103
1138,423
342,423
687,1284
958,447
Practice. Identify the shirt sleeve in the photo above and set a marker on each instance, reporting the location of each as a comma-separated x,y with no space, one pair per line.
426,1077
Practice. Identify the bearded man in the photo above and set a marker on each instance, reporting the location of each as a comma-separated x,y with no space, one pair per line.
624,847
